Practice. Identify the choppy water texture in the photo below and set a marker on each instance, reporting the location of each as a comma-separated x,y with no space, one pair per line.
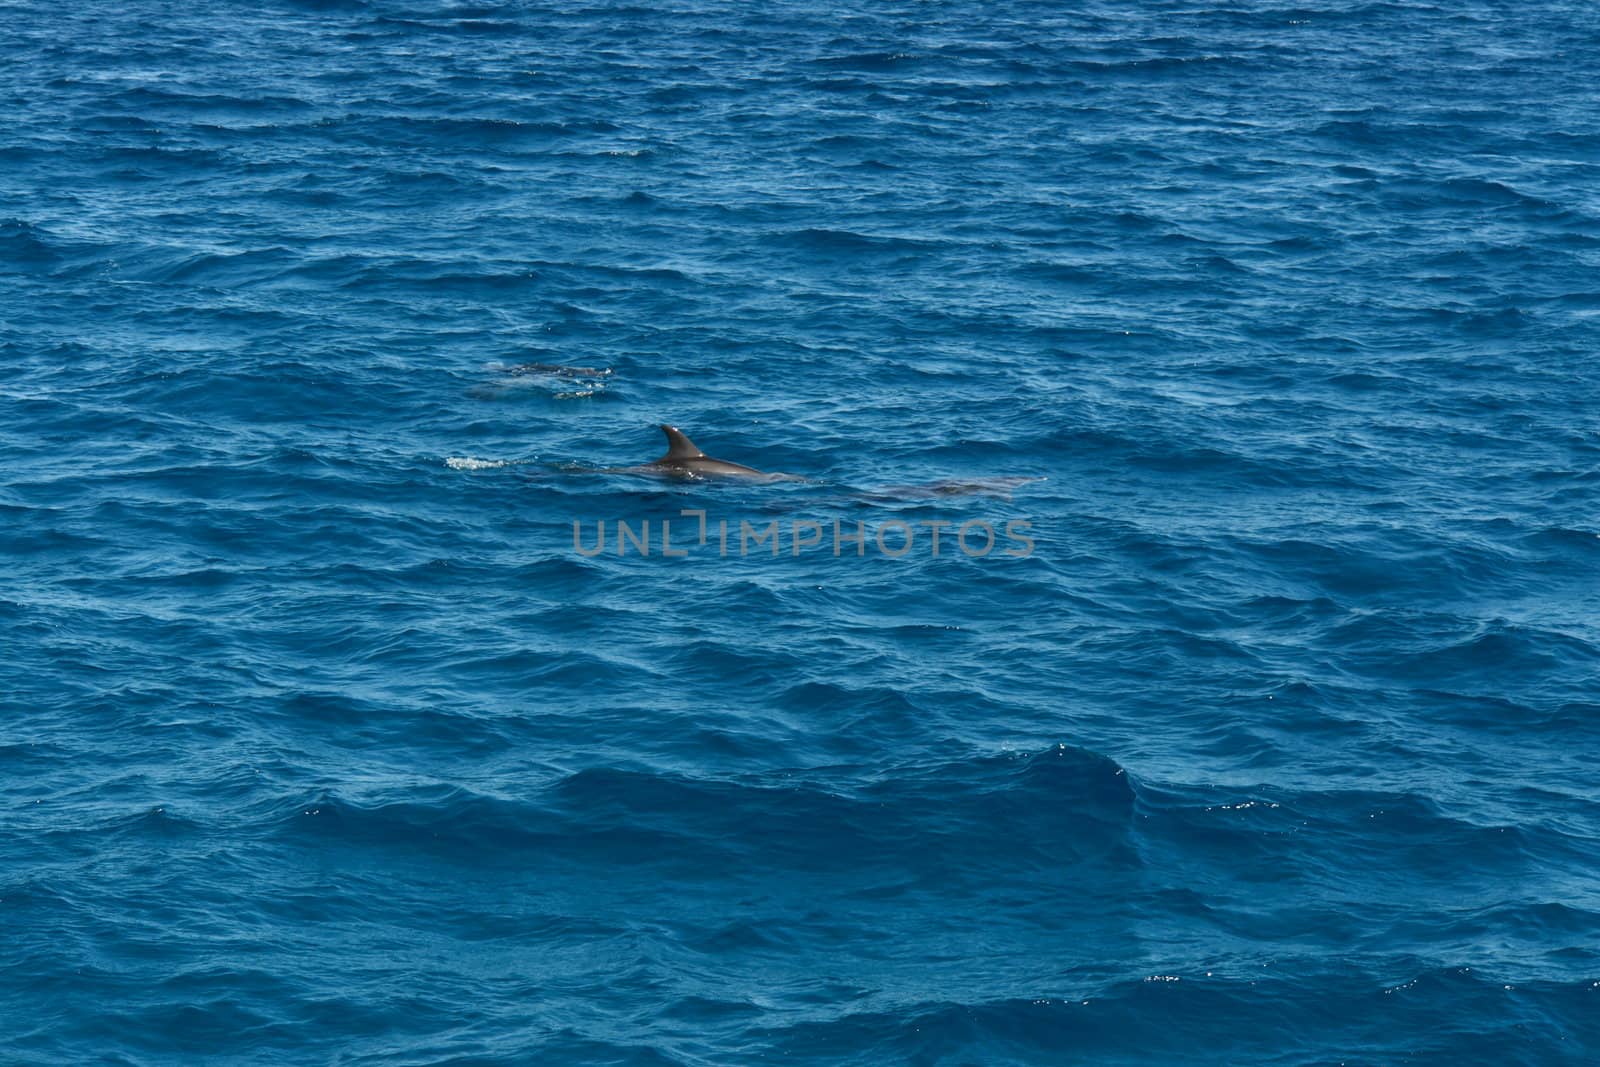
322,744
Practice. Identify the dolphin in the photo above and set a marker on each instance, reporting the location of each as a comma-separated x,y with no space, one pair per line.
685,460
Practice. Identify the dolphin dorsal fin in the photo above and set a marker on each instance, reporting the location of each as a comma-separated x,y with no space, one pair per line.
679,446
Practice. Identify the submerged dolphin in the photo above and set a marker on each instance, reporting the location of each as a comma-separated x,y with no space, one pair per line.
560,370
560,381
999,488
685,460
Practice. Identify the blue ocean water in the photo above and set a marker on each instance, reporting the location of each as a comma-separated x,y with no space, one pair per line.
323,738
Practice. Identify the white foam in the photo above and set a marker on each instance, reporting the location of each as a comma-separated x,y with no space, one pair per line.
467,463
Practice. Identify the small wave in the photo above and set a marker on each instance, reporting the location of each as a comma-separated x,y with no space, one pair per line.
222,268
1156,64
848,241
469,463
147,97
867,61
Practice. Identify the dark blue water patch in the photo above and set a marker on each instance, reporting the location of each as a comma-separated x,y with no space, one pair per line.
1273,321
1029,1029
24,246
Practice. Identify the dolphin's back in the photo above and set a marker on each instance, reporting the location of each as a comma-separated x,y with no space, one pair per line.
685,458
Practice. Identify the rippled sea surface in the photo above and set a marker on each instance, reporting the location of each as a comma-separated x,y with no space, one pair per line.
322,741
